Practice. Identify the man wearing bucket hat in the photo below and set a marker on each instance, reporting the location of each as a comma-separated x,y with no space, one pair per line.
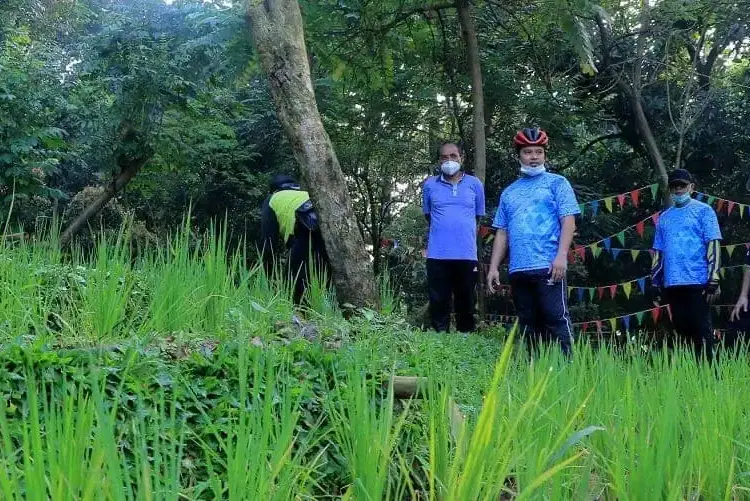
686,262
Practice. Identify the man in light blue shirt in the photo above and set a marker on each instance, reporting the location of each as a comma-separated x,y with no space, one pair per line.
452,202
686,262
535,218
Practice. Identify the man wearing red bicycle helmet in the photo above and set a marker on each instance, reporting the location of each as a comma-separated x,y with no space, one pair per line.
535,219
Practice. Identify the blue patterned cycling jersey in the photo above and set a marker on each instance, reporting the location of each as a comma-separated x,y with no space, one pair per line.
530,210
682,236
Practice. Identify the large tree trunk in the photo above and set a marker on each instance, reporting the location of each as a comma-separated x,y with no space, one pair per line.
133,153
279,38
477,87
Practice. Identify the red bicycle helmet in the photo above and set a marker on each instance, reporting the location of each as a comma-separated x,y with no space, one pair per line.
530,137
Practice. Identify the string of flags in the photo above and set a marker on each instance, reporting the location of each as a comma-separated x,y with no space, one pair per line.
634,197
606,243
582,293
627,322
634,254
722,204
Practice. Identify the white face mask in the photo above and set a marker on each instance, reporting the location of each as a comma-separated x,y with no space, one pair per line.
528,170
450,167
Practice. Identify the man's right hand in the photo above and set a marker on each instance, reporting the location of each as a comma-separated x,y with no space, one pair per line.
739,308
493,280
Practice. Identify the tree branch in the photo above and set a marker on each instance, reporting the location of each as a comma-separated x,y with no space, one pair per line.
589,145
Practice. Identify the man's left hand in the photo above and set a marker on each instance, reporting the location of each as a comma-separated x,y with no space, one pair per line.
713,291
558,268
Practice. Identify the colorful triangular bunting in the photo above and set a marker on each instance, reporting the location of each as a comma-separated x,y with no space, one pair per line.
642,285
608,203
621,237
635,196
654,190
621,200
626,287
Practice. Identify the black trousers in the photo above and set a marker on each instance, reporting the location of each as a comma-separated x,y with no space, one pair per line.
691,317
542,309
305,249
452,279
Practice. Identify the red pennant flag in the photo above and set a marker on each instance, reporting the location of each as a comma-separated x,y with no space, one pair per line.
730,206
613,291
621,200
581,251
640,228
598,326
655,312
585,326
720,205
655,218
634,195
484,231
600,292
384,243
669,310
571,258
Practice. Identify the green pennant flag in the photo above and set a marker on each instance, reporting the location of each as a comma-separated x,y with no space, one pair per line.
592,291
582,207
710,200
596,250
639,317
621,238
634,253
654,190
608,203
613,324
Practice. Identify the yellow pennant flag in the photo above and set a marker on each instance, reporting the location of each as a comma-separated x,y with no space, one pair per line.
570,291
613,324
634,253
596,250
627,287
743,207
722,273
730,249
608,203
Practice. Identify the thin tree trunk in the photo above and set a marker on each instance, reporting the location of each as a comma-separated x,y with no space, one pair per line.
110,191
477,87
279,38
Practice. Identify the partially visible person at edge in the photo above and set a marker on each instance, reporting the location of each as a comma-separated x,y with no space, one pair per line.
452,202
287,215
535,219
686,262
739,319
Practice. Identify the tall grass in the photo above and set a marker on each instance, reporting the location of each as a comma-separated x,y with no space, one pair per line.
611,425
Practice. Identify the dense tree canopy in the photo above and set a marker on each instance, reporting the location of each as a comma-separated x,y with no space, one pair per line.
168,99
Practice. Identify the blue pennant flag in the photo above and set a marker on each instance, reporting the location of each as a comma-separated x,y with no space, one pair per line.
699,196
594,207
642,285
579,293
607,243
626,321
615,253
